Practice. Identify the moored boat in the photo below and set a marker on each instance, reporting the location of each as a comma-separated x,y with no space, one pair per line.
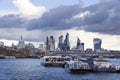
105,66
89,65
53,61
78,66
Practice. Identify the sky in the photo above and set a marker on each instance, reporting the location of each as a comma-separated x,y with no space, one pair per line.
36,19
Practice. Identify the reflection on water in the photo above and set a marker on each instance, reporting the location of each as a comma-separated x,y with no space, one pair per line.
31,69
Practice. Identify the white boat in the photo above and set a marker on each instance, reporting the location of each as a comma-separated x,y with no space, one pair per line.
91,66
9,57
53,61
105,66
77,66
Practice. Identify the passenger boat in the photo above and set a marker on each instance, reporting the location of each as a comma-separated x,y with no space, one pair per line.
105,66
78,66
90,65
53,61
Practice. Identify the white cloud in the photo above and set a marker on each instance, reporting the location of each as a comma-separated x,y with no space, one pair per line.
7,12
82,15
28,10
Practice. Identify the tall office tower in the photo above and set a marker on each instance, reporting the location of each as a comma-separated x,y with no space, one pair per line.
47,43
97,43
66,42
52,43
78,43
60,44
61,39
82,47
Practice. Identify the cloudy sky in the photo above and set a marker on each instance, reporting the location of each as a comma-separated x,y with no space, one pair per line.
36,19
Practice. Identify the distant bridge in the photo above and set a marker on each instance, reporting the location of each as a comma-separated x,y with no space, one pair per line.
91,55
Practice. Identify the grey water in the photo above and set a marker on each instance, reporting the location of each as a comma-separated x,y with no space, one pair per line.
31,69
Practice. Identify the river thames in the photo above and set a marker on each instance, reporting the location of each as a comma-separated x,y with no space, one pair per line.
31,69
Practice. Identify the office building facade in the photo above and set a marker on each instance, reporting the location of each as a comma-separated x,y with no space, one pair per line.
50,43
97,43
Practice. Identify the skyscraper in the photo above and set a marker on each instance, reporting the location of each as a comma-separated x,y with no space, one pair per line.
50,43
97,43
61,44
61,39
80,46
78,43
66,42
47,44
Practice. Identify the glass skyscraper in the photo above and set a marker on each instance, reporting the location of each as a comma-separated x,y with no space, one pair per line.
97,43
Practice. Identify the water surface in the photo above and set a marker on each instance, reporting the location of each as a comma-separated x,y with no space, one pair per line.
31,69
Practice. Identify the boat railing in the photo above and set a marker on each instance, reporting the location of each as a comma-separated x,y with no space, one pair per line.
113,67
54,60
76,65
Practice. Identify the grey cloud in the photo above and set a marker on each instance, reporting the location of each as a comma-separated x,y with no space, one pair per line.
16,33
12,21
56,19
33,35
107,19
103,18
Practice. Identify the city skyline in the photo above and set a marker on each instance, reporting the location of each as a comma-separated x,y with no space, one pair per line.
80,18
63,43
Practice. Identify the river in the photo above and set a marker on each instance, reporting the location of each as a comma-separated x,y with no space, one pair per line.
31,69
